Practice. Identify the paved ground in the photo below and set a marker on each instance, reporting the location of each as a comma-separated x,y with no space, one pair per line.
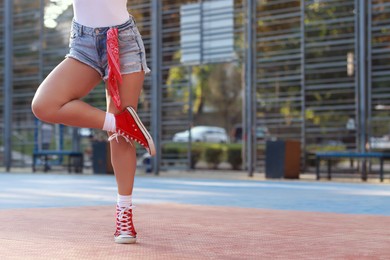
59,216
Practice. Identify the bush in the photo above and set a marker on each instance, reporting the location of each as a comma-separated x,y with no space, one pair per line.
196,154
312,149
234,156
213,155
173,151
170,152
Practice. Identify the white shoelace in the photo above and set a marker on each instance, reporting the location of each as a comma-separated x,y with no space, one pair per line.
125,227
116,135
122,212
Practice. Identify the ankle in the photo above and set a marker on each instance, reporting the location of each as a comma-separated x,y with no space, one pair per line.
124,200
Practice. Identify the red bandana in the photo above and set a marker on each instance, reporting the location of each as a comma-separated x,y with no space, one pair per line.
114,69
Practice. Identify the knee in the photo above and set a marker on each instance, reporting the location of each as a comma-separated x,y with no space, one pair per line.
42,110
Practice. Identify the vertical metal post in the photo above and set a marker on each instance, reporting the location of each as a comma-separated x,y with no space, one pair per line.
362,76
60,142
76,145
156,82
37,147
250,122
369,70
303,86
362,82
190,116
37,123
356,71
8,82
41,39
201,23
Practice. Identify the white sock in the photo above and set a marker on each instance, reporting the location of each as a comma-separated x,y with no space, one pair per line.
109,123
124,200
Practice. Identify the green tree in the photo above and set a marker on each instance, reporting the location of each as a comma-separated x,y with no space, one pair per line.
225,92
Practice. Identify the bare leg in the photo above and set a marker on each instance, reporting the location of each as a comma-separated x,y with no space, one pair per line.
57,99
123,155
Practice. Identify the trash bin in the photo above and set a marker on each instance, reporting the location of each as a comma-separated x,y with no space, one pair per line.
282,159
101,159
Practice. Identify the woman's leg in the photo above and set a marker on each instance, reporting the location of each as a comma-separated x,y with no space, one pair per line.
57,99
123,155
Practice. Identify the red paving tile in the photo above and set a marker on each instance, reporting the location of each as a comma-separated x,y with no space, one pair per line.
171,231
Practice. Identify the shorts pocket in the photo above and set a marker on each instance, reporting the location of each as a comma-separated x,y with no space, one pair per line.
126,35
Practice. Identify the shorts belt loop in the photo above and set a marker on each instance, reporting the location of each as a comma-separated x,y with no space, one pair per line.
81,30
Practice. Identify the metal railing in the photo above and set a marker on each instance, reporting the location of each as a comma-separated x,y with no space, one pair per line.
304,74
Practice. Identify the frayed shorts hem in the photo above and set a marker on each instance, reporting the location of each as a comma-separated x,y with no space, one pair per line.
84,62
134,69
139,69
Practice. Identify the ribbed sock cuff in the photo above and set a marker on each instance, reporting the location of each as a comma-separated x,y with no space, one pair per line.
109,123
124,200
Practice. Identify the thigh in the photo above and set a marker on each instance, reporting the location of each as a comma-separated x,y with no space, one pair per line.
129,90
70,80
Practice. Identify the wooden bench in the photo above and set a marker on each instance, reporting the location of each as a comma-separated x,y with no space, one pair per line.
350,155
75,159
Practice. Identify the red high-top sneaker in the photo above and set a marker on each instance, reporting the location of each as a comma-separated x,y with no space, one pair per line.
130,127
125,232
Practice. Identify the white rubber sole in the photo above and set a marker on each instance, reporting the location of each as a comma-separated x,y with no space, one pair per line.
125,240
152,150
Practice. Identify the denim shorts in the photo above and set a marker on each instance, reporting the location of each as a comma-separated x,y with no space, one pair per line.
88,45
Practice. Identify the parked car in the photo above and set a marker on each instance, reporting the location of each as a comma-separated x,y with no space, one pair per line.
210,134
262,133
380,142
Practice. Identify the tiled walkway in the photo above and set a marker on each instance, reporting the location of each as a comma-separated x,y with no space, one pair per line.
72,217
